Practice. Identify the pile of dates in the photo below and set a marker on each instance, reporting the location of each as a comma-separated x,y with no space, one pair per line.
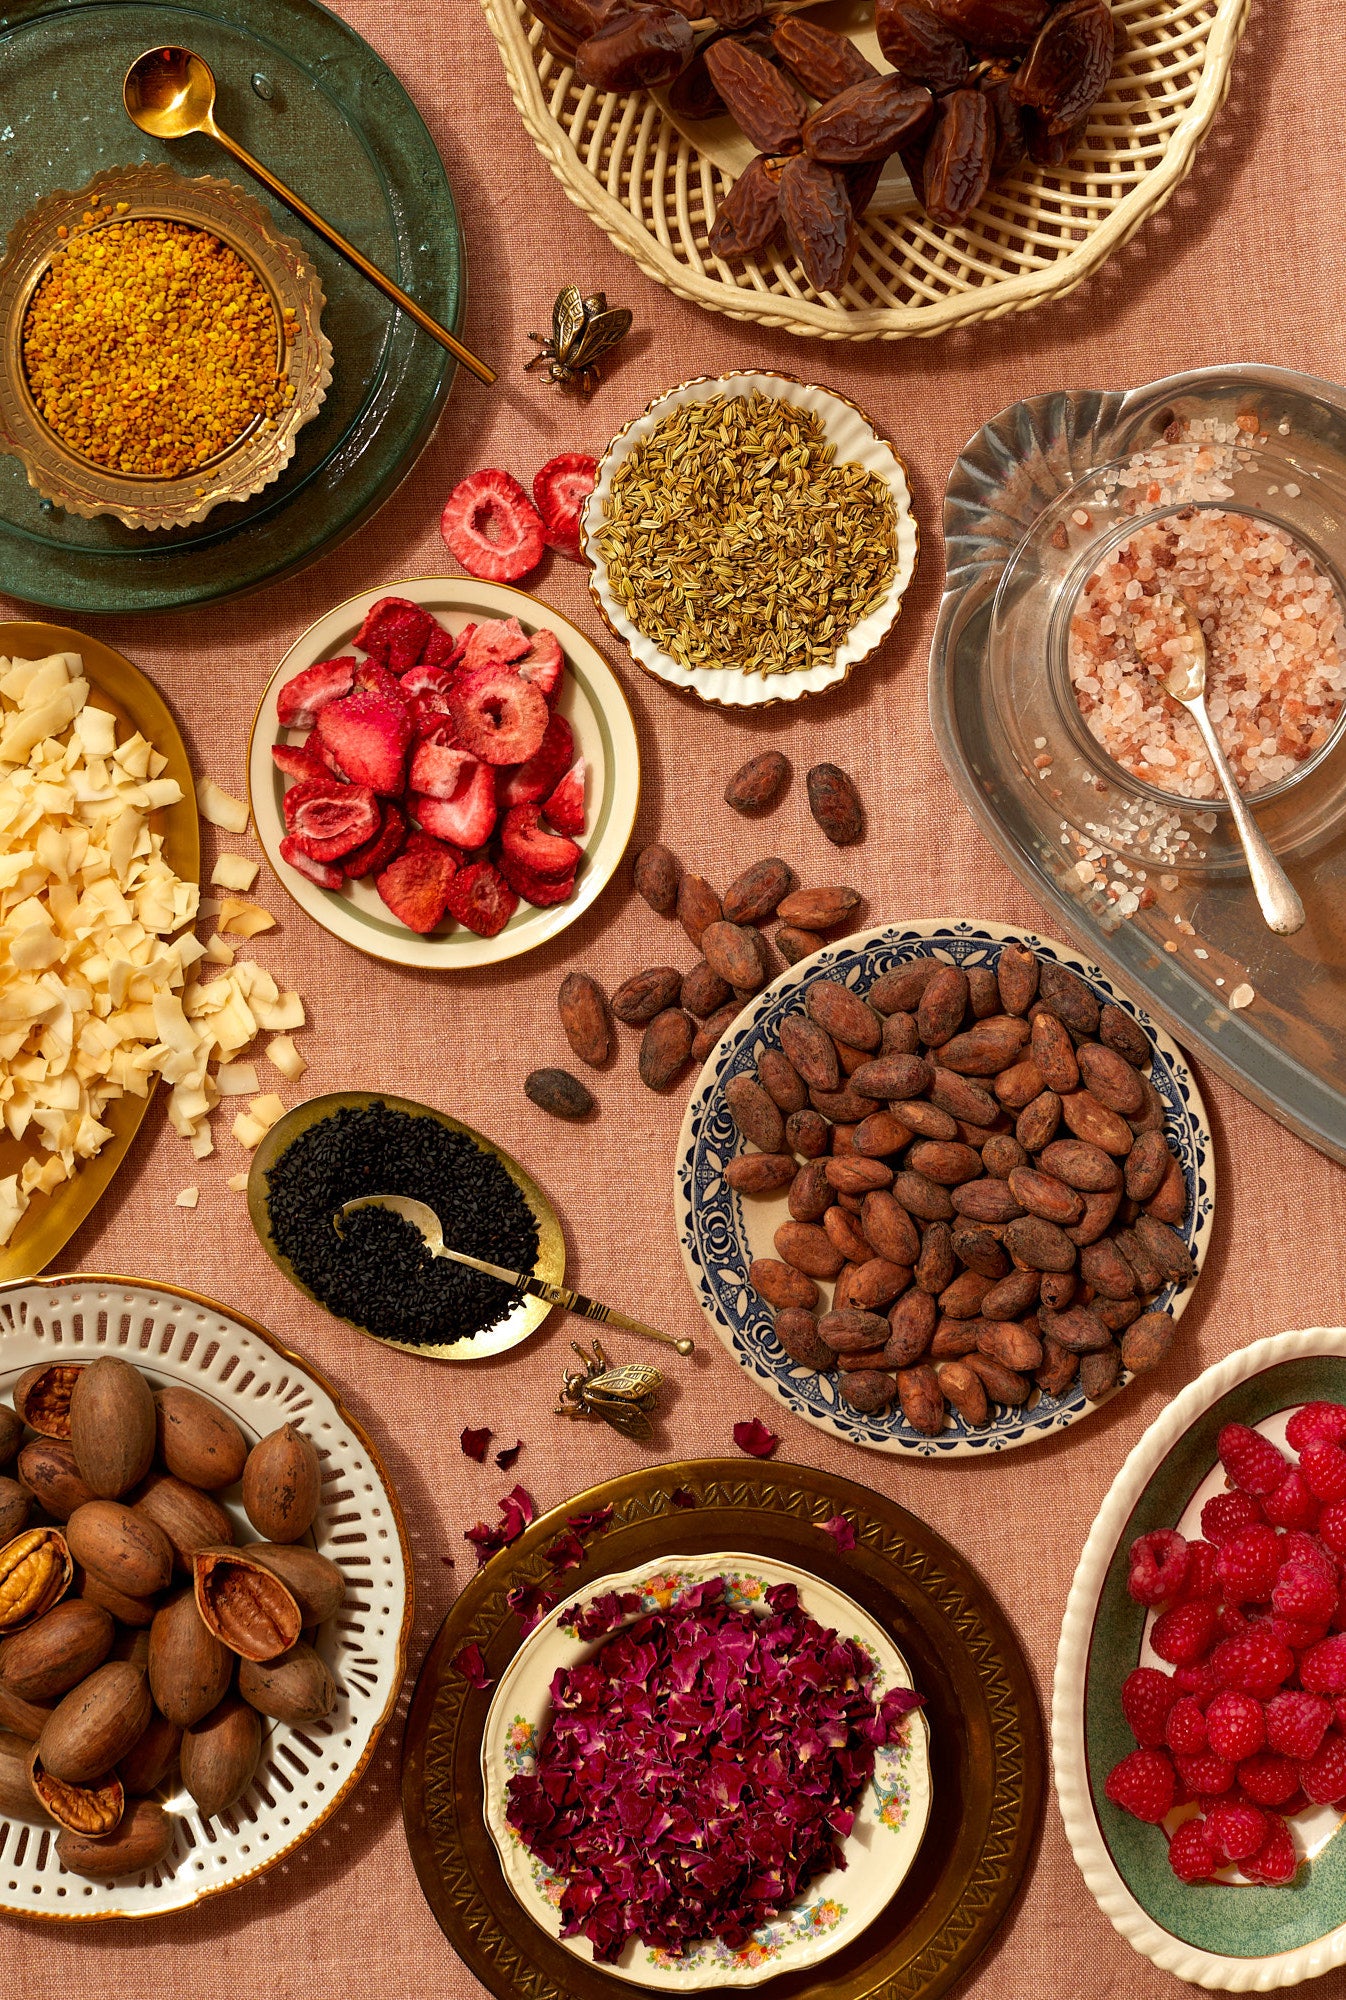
139,1646
976,1160
976,86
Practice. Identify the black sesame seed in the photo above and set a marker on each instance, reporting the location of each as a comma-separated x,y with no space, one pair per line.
378,1271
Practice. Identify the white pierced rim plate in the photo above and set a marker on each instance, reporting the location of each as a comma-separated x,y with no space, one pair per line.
590,699
834,1908
721,1231
858,442
304,1773
1229,1934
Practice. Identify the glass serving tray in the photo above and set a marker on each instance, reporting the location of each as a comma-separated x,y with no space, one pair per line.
1155,888
307,95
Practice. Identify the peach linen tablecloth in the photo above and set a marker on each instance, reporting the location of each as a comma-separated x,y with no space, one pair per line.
1245,264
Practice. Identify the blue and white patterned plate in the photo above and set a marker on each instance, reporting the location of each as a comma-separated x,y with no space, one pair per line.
721,1231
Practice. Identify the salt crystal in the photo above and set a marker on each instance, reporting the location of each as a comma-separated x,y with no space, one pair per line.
1291,493
1242,996
1039,743
1170,944
1199,953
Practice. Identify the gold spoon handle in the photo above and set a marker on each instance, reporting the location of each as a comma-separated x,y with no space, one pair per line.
385,284
572,1302
1277,899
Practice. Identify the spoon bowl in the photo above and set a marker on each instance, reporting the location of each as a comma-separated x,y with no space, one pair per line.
169,93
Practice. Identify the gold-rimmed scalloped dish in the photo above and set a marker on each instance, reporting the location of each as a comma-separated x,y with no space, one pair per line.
258,456
851,431
522,1319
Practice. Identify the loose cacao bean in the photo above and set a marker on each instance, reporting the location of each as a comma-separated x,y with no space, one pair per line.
1100,1206
698,908
923,1198
1100,1372
757,785
639,998
987,1047
899,991
797,1332
889,1228
1042,1194
754,894
963,1099
584,1017
1038,1122
833,799
558,1093
665,1047
1017,1086
1014,1295
657,876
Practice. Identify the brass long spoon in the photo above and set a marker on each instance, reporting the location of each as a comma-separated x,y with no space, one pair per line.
423,1218
170,93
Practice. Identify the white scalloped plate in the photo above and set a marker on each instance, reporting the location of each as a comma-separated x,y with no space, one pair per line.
832,1911
1260,1384
304,1774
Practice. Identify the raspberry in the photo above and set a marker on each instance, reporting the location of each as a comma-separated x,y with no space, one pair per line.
1302,1591
1235,1726
1200,1580
1296,1633
1206,1774
1268,1780
1324,1467
1296,1723
1235,1829
1248,1564
1251,1460
1233,1621
1291,1505
1224,1514
1338,1710
1147,1697
1183,1635
1158,1566
1198,1680
1142,1784
1255,1663
1275,1860
1323,1775
1185,1727
1190,1854
1323,1668
1316,1421
1332,1526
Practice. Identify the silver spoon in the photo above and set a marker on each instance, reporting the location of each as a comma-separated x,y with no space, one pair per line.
1186,682
423,1218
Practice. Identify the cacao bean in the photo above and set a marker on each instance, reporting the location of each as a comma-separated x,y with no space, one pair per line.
1002,1384
869,1390
1170,1204
1039,1245
797,1332
940,1010
921,1398
1076,1329
841,1297
297,1688
852,1331
794,944
709,1033
963,1099
781,1081
901,1036
987,1047
584,1017
881,1133
1038,1122
639,998
1149,1274
936,1266
200,1443
558,1093
665,1047
753,1112
220,1755
980,1250
1014,1295
1001,1154
807,1248
911,1327
760,1173
945,1161
818,909
986,1201
1167,1248
963,1388
1066,995
1059,1369
1017,1086
1146,1165
899,991
928,1120
1013,1345
811,1051
1154,1117
923,1198
1088,1120
1116,1314
843,1014
893,1077
781,1285
1016,974
1081,1165
1103,1266
954,1338
1118,1030
755,893
1111,1079
189,1670
757,785
1100,1206
731,951
1054,1054
811,1193
847,1235
698,908
877,1282
1099,1373
657,876
833,799
1042,1194
889,1229
962,1297
807,1132
702,991
1146,1343
141,1841
982,992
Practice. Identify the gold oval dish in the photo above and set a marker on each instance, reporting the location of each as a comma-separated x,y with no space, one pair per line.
551,1250
304,353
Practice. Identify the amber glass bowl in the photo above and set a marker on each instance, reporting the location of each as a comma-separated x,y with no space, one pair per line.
303,352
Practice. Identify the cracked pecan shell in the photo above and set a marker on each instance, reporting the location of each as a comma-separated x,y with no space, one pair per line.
35,1572
42,1396
244,1605
92,1811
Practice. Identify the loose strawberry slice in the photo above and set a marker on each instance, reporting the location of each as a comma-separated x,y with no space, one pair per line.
532,887
546,855
328,819
393,633
431,716
529,782
296,760
565,807
543,664
439,645
495,642
372,678
415,886
374,856
320,872
299,701
467,815
440,767
499,718
560,488
480,897
492,527
426,680
368,736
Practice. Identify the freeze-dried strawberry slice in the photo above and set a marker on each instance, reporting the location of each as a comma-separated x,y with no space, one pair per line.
439,647
299,701
415,886
375,855
371,677
423,680
368,736
327,819
543,664
547,855
492,526
462,809
565,807
320,872
495,642
439,768
499,718
296,760
560,488
393,632
533,888
431,716
480,897
527,783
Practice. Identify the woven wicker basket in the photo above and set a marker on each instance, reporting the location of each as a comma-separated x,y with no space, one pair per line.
1039,233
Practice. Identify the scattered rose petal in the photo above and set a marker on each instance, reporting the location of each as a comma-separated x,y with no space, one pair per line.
841,1530
899,1702
566,1552
530,1602
516,1510
683,1496
474,1444
504,1459
754,1438
448,1562
470,1662
594,1522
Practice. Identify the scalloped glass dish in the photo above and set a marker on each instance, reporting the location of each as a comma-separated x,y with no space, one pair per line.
834,1908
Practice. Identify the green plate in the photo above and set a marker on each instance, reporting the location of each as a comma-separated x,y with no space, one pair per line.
304,93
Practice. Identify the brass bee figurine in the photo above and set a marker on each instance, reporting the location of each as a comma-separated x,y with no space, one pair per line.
624,1397
582,331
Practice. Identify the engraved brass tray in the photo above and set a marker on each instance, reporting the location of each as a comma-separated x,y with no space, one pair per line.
985,1733
303,352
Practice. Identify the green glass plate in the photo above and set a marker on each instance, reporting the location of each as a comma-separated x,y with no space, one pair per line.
304,93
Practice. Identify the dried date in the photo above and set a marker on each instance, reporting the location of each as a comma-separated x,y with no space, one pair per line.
957,163
749,217
820,228
1068,65
921,45
639,50
1000,27
766,104
824,62
868,121
996,85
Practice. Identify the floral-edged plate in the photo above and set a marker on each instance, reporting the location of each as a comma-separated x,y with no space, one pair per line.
1232,1935
720,1231
833,1909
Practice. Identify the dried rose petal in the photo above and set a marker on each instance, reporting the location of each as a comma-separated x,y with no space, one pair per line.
504,1459
899,1702
531,1601
841,1530
566,1552
682,1496
474,1444
448,1562
594,1522
754,1438
470,1662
